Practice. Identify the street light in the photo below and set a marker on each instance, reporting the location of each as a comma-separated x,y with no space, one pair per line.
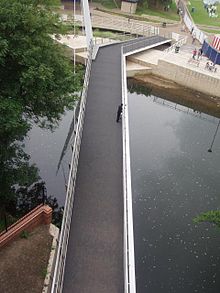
210,149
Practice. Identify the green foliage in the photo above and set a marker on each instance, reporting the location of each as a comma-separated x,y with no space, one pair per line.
25,234
37,84
36,79
15,170
110,35
200,16
109,4
44,272
134,87
210,216
156,8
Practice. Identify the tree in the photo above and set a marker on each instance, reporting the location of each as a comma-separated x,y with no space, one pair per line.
36,79
37,84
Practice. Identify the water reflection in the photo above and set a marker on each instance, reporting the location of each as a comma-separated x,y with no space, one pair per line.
29,168
51,152
174,179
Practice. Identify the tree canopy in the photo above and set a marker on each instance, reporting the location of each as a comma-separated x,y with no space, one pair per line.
36,79
37,84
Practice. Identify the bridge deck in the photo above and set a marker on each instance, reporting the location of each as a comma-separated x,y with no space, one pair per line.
94,261
95,250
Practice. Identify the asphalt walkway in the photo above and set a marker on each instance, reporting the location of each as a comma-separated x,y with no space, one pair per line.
94,262
95,251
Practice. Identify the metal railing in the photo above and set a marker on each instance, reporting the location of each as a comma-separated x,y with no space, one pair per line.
143,44
179,43
184,109
123,24
129,258
58,275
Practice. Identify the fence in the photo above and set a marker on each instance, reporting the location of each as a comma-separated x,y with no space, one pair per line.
212,53
57,283
125,25
199,35
117,24
179,43
129,259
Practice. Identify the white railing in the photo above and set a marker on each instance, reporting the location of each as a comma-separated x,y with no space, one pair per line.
58,275
124,25
121,24
129,258
179,43
187,18
140,45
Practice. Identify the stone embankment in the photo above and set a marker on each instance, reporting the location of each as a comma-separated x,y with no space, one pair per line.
179,68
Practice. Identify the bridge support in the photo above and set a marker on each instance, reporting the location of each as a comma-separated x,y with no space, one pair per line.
87,22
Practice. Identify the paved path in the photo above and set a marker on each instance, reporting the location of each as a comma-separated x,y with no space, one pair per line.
95,250
94,262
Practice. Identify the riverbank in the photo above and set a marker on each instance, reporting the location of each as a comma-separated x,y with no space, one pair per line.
174,92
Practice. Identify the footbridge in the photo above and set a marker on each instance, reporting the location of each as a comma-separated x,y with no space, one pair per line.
96,247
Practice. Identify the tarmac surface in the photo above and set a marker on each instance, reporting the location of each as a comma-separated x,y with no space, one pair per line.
94,261
95,251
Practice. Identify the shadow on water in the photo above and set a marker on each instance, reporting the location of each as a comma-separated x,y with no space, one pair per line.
51,152
174,178
30,172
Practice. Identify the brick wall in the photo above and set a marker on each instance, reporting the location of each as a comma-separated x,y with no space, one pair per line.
42,214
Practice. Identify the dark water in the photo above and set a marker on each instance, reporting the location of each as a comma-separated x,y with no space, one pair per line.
45,149
174,179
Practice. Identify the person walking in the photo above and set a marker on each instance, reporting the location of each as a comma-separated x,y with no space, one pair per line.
119,112
194,53
199,56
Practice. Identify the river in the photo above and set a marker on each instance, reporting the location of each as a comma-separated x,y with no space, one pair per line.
45,149
174,178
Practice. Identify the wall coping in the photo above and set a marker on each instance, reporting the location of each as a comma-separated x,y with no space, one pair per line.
42,214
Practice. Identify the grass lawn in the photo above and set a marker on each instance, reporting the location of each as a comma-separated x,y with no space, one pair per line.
200,16
212,31
110,35
143,11
171,14
108,4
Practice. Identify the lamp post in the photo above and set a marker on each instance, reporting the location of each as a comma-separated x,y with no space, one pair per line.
210,149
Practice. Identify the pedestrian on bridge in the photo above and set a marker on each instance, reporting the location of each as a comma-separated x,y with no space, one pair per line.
119,112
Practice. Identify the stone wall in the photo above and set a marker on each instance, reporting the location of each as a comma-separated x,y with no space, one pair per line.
128,7
189,78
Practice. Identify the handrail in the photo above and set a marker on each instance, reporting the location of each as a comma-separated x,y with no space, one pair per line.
185,109
188,20
144,43
179,43
58,276
126,25
129,259
116,23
